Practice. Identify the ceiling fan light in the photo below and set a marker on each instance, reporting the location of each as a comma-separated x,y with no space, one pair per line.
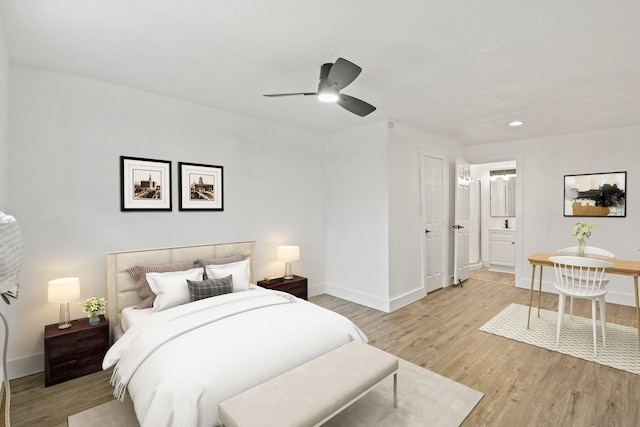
328,95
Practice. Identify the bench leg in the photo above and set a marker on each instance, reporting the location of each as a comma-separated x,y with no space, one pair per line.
395,390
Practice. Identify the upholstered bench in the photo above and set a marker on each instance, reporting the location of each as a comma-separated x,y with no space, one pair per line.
312,393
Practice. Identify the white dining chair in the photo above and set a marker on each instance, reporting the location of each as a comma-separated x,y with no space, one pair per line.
591,252
581,277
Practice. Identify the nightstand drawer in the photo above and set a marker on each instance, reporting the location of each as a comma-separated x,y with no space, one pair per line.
75,366
76,343
298,289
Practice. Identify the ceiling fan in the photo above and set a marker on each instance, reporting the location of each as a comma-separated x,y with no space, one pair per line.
334,78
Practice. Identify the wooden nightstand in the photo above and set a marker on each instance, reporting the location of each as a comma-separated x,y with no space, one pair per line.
75,351
296,286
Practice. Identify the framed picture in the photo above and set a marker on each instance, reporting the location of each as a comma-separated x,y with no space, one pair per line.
596,194
145,184
201,187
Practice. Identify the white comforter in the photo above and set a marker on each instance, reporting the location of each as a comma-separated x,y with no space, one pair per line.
178,367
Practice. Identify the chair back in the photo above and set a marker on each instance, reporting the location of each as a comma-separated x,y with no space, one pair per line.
589,251
580,275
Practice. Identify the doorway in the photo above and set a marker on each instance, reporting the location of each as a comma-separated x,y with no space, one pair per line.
492,220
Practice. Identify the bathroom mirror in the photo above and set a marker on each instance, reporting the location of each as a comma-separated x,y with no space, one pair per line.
503,192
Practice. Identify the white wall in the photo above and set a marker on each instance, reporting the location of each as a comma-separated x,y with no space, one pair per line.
67,134
541,170
406,231
4,123
357,215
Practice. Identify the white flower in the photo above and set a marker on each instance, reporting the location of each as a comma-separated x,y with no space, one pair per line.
582,231
94,305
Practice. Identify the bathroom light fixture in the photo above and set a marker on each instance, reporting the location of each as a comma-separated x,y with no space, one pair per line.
516,123
288,254
502,173
62,291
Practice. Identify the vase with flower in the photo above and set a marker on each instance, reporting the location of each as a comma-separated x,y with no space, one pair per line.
582,232
94,307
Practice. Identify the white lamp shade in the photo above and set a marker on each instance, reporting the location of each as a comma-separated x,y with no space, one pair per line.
64,290
288,253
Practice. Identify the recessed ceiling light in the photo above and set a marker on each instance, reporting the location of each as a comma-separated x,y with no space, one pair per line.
516,123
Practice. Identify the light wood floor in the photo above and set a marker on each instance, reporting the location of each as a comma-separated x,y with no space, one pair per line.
523,385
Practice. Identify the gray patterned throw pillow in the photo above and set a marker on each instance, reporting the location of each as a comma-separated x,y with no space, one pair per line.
209,288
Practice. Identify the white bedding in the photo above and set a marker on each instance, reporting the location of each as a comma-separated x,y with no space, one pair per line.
245,339
131,315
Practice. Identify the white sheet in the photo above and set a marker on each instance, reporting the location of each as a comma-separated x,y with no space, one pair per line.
131,315
184,380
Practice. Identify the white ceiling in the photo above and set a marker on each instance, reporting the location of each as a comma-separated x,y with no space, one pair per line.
459,69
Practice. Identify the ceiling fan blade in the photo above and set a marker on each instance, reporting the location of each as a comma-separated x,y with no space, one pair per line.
342,73
355,105
272,95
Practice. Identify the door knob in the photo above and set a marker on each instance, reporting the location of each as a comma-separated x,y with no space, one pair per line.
457,227
427,231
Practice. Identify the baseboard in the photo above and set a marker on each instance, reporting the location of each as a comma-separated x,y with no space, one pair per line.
620,298
502,269
408,298
25,366
358,297
367,300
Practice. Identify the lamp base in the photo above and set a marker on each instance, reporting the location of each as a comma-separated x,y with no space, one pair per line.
288,271
65,318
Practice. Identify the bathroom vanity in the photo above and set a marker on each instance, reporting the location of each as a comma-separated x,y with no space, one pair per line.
502,254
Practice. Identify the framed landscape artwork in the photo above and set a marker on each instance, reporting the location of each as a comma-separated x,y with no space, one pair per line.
596,194
201,187
145,184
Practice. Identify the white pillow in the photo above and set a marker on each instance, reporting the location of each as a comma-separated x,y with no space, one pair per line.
171,288
239,271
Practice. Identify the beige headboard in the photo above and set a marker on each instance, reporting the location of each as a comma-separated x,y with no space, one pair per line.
121,288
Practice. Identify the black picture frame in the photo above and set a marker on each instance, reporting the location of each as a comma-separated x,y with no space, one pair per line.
201,187
596,195
145,184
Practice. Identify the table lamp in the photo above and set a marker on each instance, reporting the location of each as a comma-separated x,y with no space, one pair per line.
288,254
62,291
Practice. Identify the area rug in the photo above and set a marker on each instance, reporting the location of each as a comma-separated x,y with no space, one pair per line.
576,336
424,399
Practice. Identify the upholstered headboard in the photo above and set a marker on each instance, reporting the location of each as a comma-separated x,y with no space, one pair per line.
121,288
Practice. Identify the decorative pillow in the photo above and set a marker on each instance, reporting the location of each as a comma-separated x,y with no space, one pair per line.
171,288
209,288
218,261
139,274
238,270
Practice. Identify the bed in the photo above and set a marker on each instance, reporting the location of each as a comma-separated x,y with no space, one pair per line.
179,363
